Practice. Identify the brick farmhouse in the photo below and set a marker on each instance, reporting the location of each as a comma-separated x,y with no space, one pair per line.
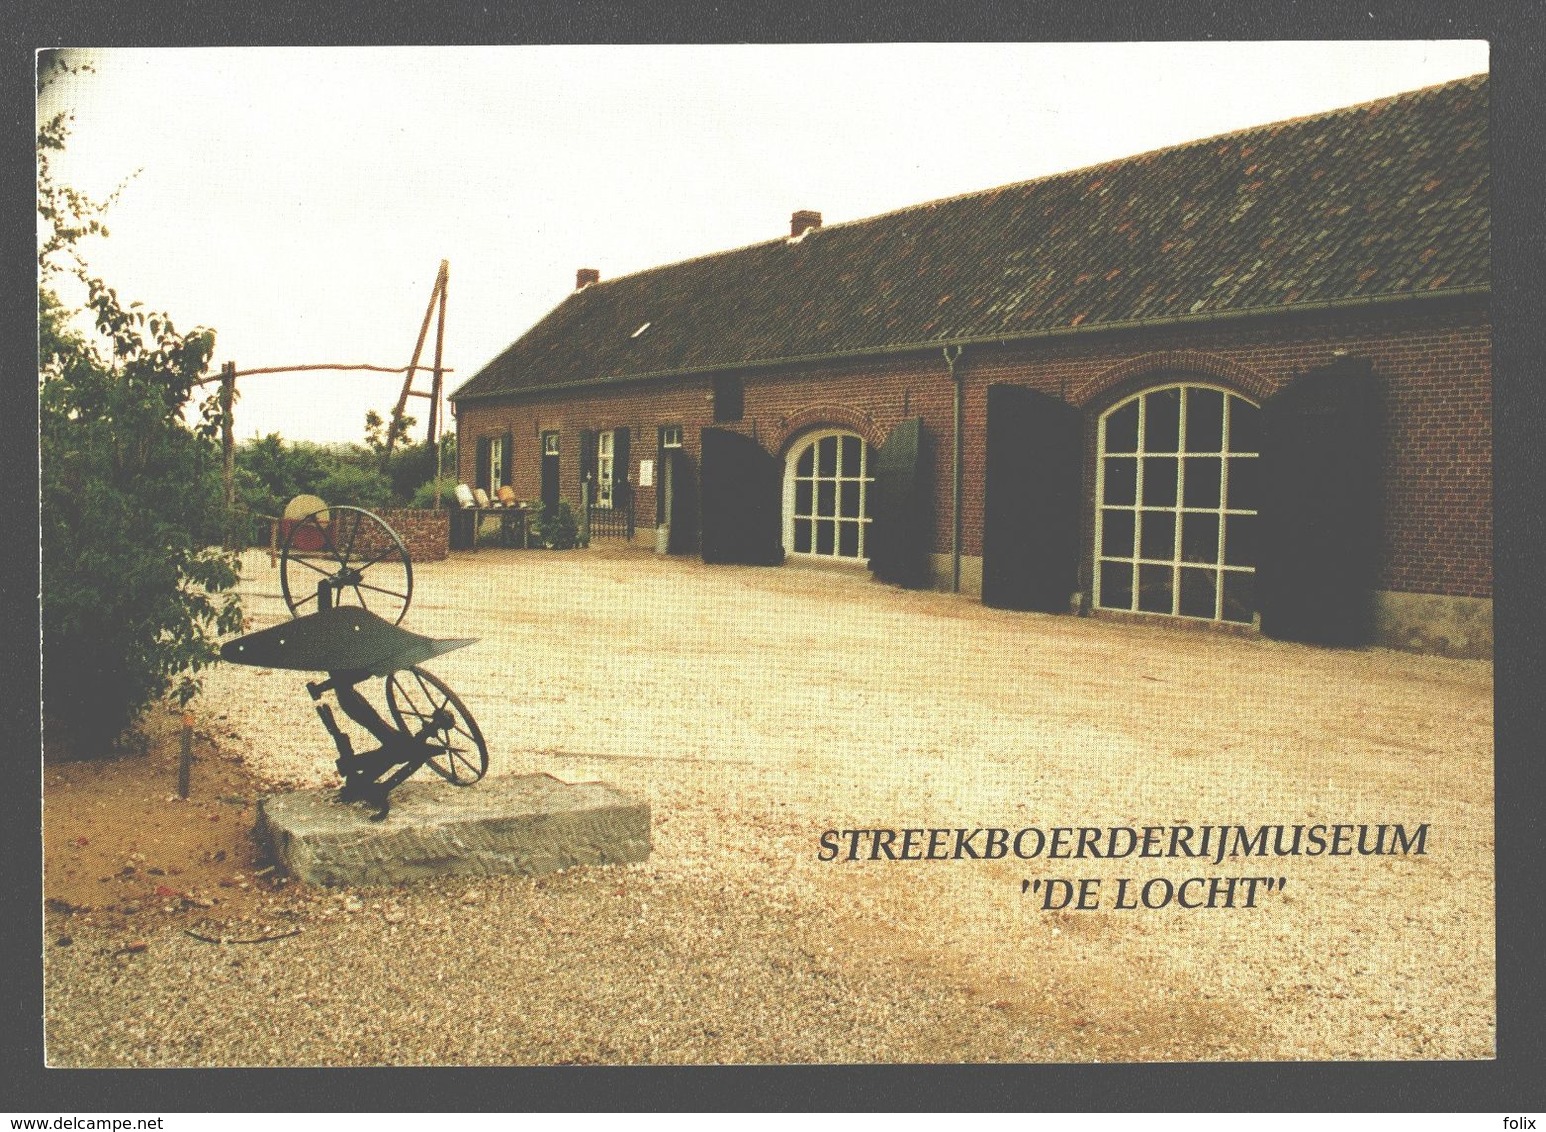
1243,382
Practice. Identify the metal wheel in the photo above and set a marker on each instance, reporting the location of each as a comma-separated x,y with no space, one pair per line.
355,555
422,705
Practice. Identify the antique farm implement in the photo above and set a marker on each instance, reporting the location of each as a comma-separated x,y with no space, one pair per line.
361,571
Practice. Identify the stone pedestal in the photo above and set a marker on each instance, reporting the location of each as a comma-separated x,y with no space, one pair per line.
527,824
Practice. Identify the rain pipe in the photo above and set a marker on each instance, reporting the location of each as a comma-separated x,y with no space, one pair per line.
952,355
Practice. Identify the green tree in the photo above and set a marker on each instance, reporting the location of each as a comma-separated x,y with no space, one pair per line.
356,486
271,472
429,493
407,465
134,593
283,470
377,434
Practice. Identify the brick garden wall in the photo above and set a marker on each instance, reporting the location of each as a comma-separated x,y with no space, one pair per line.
1434,364
426,534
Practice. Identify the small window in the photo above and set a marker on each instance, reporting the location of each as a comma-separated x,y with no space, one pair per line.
496,462
671,436
550,444
729,398
605,457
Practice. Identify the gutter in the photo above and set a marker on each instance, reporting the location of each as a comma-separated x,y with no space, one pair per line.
1355,303
953,355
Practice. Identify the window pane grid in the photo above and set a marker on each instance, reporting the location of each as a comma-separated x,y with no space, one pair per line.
496,461
605,450
828,498
1150,557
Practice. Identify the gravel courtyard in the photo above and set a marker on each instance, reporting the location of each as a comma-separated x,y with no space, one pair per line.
755,709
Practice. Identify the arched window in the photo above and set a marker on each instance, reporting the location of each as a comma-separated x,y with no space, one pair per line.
826,496
1176,502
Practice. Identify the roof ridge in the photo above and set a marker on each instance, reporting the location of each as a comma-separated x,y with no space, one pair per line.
1177,147
1385,197
1049,178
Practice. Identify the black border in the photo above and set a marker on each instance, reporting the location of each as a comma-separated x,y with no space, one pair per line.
1513,1082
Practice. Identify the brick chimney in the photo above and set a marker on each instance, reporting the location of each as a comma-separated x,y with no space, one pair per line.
802,222
585,277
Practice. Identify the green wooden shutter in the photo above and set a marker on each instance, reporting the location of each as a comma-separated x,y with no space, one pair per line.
684,502
480,476
901,515
741,492
1030,526
622,488
509,459
662,456
549,486
1319,506
587,465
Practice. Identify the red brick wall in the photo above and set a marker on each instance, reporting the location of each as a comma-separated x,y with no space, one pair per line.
426,534
641,409
1434,365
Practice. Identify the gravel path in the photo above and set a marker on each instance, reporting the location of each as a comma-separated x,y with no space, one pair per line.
755,708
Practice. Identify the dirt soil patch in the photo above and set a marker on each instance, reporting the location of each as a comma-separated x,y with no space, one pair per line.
755,709
125,853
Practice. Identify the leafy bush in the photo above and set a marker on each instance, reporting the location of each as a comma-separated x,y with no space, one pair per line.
276,472
424,497
133,591
271,471
409,467
356,487
130,508
555,529
412,471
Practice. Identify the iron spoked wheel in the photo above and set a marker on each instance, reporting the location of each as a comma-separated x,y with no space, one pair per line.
422,705
355,554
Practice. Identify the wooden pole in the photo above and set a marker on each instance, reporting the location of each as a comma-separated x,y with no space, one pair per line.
440,340
228,448
418,348
434,403
317,366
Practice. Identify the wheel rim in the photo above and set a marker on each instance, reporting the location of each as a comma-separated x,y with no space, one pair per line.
422,705
355,554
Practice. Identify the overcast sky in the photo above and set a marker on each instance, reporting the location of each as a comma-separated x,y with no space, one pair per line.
299,200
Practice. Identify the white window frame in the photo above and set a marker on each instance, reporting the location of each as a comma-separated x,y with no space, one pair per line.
496,463
606,452
550,443
671,436
1141,456
865,477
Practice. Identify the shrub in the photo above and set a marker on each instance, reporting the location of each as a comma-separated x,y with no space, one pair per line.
409,467
424,497
133,592
555,529
356,487
271,472
130,507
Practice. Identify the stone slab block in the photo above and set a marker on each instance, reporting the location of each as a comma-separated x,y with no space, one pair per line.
1459,627
526,824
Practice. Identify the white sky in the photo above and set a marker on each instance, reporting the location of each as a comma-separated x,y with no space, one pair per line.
299,200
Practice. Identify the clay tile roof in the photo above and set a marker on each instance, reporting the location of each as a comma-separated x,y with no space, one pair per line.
1379,200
